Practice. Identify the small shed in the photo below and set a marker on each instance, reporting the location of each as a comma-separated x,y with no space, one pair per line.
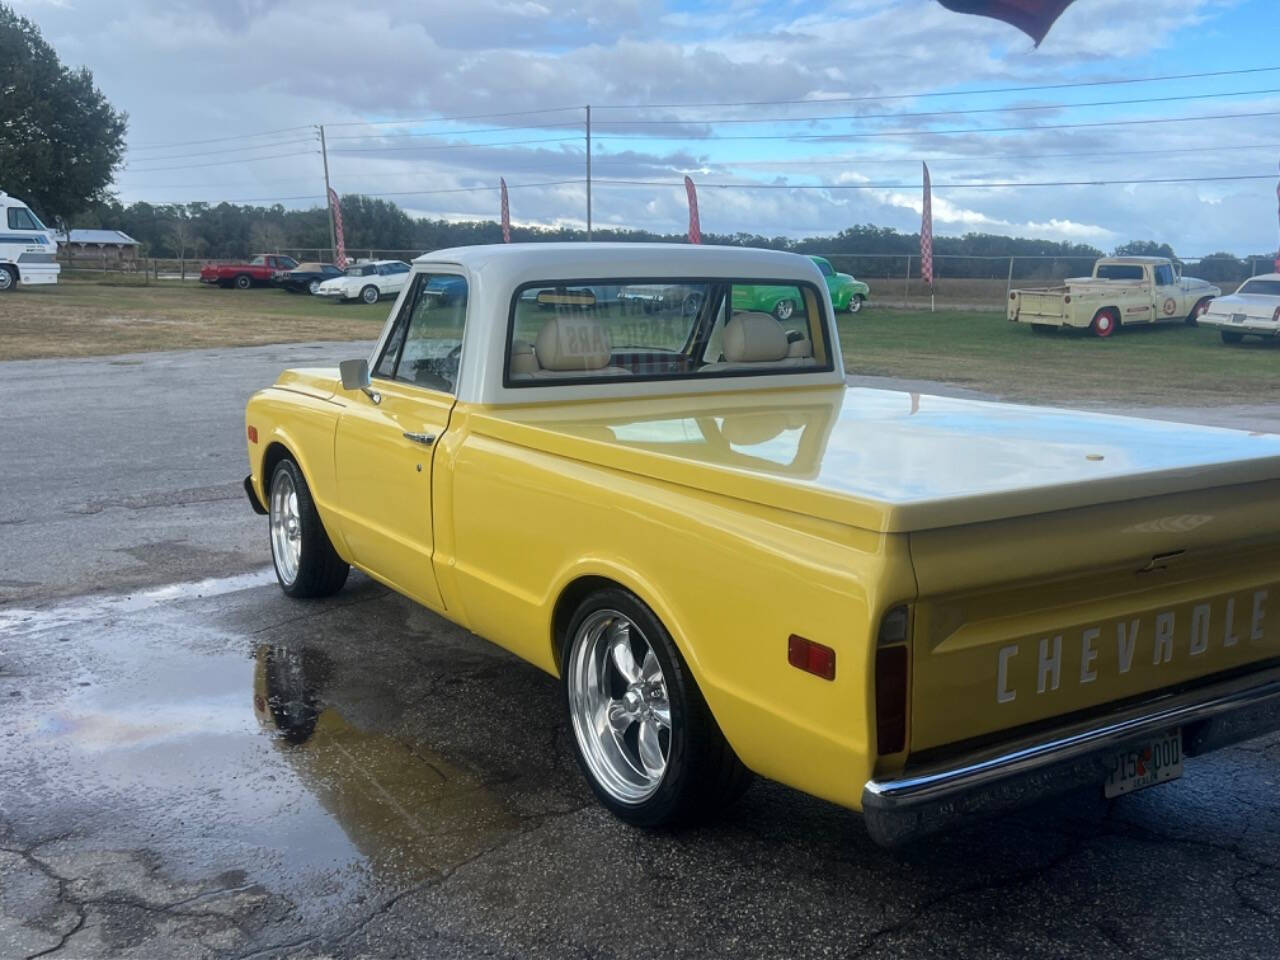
112,246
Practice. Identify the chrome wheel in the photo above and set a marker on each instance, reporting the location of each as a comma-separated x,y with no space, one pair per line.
855,303
369,294
286,528
313,287
784,309
7,279
619,706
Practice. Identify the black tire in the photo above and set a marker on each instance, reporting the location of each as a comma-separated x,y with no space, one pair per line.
313,287
702,774
1105,323
321,572
8,282
370,294
243,281
1231,336
856,303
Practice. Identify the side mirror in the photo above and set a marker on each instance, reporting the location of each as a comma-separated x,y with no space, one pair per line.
355,374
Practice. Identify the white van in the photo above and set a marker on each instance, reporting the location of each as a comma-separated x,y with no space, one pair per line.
28,251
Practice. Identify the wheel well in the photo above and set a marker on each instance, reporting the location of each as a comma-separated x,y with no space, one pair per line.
275,453
567,603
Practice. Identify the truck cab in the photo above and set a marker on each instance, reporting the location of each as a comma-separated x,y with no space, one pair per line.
1121,291
28,250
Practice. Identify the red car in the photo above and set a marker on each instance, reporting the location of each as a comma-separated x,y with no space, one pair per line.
258,270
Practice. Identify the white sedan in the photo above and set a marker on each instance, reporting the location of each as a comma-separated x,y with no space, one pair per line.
1252,311
369,281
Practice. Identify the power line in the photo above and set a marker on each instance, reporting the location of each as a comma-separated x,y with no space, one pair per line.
393,193
960,130
454,146
238,136
942,93
935,186
223,163
949,113
461,133
212,153
473,116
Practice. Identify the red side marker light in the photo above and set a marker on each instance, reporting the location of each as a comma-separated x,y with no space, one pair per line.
253,434
811,657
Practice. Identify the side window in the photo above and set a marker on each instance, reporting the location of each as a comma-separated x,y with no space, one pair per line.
20,218
399,268
426,342
1164,275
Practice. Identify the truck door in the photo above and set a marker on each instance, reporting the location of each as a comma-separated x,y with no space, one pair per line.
1168,295
385,443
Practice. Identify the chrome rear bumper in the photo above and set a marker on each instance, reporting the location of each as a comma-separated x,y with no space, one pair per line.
932,798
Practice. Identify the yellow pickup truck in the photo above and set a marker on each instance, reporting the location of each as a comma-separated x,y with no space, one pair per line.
1123,291
922,608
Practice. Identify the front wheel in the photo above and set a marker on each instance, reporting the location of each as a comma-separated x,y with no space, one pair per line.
784,309
855,303
1198,311
8,279
243,282
313,287
642,733
369,294
305,561
1231,336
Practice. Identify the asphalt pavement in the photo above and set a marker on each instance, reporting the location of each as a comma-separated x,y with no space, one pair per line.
193,765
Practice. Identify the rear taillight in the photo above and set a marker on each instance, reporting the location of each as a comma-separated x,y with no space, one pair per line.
892,665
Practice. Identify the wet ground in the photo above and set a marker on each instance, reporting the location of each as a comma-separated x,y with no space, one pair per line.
193,765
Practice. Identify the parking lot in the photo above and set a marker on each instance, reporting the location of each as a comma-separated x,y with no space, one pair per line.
197,766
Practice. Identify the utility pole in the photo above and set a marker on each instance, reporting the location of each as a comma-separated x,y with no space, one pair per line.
333,237
588,173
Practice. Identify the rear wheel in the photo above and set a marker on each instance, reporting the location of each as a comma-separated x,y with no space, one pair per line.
1231,336
1104,323
855,303
369,294
643,735
313,287
243,281
784,309
305,561
8,278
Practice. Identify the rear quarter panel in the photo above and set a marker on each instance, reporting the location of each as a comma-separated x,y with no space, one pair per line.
731,581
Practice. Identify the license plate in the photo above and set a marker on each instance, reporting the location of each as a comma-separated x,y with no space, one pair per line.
1237,318
1145,765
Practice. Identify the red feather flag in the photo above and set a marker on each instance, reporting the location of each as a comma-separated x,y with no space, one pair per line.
339,255
506,212
926,231
695,228
1032,17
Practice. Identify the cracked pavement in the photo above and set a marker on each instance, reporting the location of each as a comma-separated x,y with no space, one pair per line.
193,765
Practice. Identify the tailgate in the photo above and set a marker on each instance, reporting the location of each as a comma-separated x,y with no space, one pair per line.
1024,620
1048,304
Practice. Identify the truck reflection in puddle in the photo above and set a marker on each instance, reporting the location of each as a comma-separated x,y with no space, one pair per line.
405,809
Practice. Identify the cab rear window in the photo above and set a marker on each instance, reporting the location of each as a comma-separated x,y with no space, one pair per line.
609,330
1119,271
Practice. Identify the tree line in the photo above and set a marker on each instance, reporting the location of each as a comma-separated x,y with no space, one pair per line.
226,230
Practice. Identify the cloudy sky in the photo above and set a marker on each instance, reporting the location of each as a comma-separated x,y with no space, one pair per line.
814,116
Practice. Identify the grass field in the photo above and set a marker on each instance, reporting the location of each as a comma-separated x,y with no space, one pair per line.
1175,365
76,319
1167,365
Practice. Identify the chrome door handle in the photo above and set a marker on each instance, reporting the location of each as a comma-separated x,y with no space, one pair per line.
426,439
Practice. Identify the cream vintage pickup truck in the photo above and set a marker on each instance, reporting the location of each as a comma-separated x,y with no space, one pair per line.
926,609
1123,291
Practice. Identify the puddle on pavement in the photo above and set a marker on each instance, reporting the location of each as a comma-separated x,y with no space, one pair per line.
145,726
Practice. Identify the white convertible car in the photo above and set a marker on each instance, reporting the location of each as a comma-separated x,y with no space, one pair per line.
1252,311
367,281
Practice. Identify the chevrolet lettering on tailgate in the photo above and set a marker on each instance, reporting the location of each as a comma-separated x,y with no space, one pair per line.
612,461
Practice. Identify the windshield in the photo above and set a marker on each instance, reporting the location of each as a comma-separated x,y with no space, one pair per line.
1266,288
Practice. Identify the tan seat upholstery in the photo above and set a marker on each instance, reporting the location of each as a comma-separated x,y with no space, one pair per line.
566,346
754,340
